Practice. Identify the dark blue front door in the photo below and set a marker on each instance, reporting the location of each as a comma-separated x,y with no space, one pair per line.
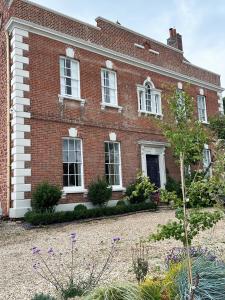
152,163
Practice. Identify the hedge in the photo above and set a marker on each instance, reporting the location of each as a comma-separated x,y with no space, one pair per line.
46,218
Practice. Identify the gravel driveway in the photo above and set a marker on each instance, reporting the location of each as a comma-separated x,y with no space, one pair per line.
19,281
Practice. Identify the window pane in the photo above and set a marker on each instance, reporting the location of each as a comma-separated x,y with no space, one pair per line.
71,144
116,169
117,179
72,180
71,156
71,169
68,90
112,96
112,80
77,145
74,70
78,180
65,169
65,156
77,169
65,180
65,145
78,156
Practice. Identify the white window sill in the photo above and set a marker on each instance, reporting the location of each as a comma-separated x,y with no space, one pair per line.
67,97
146,113
104,105
74,190
116,188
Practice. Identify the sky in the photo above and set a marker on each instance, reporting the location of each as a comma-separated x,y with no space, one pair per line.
200,22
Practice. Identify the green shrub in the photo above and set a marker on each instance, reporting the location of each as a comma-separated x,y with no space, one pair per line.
42,297
141,190
99,192
115,292
45,197
173,185
80,211
121,203
47,217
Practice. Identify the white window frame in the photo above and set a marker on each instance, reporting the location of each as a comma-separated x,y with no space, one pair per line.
62,77
141,93
202,116
207,159
75,189
115,104
118,187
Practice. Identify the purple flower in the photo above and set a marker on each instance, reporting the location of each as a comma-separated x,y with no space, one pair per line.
51,251
116,239
73,237
35,250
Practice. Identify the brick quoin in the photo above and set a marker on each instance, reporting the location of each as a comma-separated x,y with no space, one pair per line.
50,121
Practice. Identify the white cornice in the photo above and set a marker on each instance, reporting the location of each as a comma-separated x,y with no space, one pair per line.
74,41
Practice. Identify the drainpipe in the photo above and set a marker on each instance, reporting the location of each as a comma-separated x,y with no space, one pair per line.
8,124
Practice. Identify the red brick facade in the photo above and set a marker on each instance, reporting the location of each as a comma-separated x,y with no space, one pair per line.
48,120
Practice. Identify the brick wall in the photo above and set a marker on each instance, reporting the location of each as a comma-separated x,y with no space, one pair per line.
121,39
3,109
50,120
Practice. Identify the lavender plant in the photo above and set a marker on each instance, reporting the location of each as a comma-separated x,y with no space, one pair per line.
178,254
68,280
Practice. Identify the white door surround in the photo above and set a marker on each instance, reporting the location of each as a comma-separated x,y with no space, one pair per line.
154,148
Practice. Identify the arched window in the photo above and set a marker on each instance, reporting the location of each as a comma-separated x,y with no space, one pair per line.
149,98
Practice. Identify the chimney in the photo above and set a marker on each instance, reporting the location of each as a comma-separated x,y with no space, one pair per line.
175,39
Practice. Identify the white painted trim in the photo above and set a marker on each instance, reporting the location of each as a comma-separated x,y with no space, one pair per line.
139,46
220,102
20,32
63,97
89,205
105,105
19,45
153,51
73,41
17,196
22,157
115,88
156,149
23,203
74,190
16,213
78,189
18,180
17,165
22,188
154,143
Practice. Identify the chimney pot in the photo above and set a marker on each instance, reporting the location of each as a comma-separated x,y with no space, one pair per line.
175,39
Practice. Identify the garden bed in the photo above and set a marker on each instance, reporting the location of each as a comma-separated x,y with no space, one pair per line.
19,281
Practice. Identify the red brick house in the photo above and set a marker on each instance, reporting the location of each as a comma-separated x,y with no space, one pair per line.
75,101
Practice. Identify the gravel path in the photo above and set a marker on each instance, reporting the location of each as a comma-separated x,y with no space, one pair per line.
19,281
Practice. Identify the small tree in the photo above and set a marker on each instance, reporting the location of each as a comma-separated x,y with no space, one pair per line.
187,137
